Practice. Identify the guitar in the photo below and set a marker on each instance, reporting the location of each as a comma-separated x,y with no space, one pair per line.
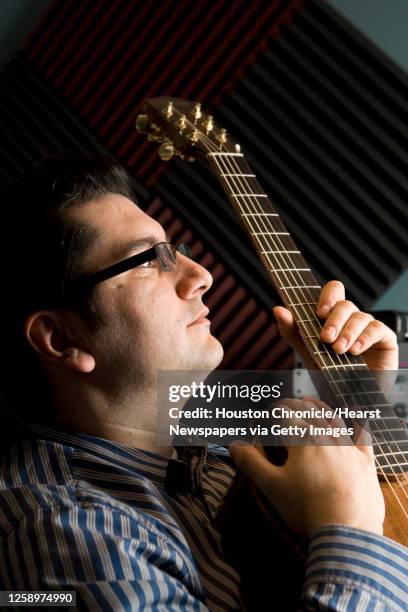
246,517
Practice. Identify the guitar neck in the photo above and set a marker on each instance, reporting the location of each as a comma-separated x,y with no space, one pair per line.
283,261
347,377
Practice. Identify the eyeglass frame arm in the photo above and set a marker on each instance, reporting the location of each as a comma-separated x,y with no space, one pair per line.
85,283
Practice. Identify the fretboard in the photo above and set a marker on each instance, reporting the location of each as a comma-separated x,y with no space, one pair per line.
283,261
349,380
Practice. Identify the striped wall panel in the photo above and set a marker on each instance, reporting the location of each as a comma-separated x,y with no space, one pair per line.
318,109
105,57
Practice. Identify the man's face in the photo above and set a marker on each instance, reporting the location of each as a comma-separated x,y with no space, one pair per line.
152,320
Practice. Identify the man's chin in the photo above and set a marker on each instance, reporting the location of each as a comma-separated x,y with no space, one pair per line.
212,357
204,356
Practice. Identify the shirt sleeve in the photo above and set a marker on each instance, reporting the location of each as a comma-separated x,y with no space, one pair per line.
117,563
113,562
351,569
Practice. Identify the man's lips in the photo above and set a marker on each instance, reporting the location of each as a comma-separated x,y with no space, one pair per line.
201,317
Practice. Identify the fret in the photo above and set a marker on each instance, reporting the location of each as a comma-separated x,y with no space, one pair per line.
301,287
380,437
278,252
268,242
347,380
391,441
345,365
269,233
291,269
225,154
244,175
393,465
383,418
392,453
363,388
293,304
248,195
312,326
260,215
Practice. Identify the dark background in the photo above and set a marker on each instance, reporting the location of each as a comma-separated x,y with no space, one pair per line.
319,110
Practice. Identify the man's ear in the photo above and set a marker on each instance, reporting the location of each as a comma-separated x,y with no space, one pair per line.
47,332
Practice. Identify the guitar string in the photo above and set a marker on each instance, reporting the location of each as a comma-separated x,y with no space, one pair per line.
398,464
345,401
265,227
209,142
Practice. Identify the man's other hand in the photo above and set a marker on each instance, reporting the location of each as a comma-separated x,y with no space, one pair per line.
345,328
319,484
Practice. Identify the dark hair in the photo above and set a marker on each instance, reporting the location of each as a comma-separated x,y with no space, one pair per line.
40,253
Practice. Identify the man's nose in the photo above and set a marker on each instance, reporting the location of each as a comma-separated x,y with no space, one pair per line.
192,278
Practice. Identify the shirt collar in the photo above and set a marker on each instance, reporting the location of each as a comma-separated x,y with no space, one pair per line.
146,463
179,474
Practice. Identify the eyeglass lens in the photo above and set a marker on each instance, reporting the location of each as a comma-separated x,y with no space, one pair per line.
167,254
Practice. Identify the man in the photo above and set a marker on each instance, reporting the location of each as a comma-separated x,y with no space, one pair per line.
88,501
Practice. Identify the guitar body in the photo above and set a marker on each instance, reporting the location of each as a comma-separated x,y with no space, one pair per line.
395,524
255,540
251,532
250,529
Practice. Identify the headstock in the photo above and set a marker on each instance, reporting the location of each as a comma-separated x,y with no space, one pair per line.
182,128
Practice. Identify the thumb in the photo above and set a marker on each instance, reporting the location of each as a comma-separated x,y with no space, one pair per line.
287,327
290,333
252,462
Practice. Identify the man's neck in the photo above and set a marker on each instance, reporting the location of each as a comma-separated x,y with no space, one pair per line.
129,425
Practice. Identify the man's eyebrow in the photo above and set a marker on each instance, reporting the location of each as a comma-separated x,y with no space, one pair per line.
135,244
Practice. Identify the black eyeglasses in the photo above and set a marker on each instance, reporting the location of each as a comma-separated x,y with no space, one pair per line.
164,252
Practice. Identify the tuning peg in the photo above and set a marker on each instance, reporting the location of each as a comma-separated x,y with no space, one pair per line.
193,136
157,137
197,111
168,111
208,124
181,123
222,136
166,150
142,123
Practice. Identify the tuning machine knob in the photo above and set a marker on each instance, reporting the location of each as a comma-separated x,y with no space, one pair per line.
182,122
222,136
194,136
152,130
155,137
208,124
143,124
166,150
168,111
197,112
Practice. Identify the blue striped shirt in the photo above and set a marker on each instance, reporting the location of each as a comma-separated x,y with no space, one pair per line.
83,513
